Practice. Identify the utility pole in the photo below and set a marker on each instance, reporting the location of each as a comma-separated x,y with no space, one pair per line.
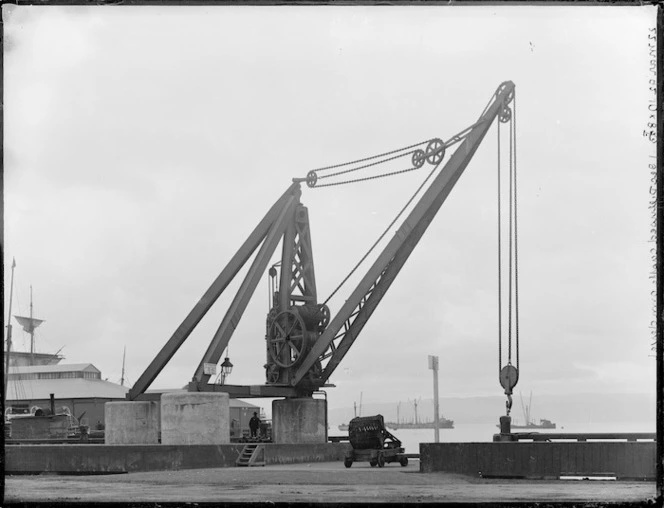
433,365
32,333
124,352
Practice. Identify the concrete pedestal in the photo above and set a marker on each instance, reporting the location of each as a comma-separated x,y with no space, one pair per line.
195,418
131,422
299,421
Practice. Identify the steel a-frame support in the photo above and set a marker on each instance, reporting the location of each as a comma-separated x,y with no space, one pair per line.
268,233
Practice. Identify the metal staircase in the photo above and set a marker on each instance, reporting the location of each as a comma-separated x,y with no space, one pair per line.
252,455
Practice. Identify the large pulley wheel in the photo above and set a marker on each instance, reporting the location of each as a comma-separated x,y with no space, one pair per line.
509,376
510,95
312,178
435,151
287,339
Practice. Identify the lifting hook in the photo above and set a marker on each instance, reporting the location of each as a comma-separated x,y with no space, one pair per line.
509,376
508,404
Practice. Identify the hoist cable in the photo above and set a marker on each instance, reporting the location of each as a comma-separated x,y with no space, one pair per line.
361,167
384,233
372,157
500,284
516,250
509,263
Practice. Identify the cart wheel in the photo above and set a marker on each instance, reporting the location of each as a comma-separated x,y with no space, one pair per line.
404,461
381,460
373,462
348,462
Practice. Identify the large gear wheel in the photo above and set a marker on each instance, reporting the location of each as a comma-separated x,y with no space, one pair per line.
287,339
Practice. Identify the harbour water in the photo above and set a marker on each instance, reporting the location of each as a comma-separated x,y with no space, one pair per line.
483,432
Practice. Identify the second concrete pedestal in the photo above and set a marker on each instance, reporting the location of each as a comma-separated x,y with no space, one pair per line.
299,421
134,422
195,418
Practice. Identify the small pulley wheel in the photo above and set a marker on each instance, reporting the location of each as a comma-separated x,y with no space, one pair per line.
287,339
418,158
509,376
272,373
312,178
435,151
324,318
505,115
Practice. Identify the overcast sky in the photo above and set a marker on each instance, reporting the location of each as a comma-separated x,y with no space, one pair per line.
143,144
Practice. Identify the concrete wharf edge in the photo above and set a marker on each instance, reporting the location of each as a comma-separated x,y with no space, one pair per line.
623,460
107,459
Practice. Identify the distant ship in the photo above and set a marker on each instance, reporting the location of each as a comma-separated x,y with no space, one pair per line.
443,423
530,424
543,424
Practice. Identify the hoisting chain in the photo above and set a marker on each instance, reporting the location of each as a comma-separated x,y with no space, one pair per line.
369,158
509,374
433,154
343,182
516,245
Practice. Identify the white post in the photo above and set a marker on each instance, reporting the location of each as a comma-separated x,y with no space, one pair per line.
433,365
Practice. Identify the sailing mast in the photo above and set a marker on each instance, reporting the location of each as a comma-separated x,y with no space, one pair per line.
29,325
9,332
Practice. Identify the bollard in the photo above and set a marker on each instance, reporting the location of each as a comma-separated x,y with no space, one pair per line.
505,430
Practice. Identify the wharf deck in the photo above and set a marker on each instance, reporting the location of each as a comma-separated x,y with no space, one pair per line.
320,482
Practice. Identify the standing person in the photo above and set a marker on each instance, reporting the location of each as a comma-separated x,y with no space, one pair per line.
254,423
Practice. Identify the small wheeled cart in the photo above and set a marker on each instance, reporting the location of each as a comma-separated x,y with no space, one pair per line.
372,442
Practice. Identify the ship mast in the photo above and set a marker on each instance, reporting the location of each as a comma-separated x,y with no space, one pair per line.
29,324
9,332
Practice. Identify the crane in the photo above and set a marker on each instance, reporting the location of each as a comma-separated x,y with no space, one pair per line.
304,342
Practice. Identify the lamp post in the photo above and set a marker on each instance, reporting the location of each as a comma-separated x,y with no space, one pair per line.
226,369
433,365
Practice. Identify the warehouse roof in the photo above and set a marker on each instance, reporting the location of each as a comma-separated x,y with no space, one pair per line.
64,367
38,389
